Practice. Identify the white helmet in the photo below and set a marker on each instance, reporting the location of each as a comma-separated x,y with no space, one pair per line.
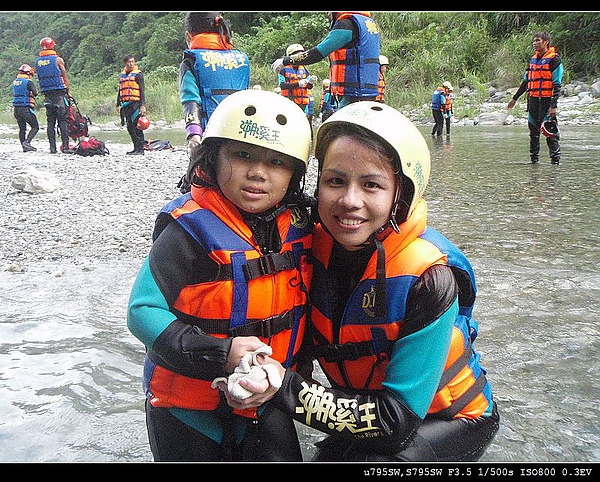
448,85
294,49
383,60
262,118
398,132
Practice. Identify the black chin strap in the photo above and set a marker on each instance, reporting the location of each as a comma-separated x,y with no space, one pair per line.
380,285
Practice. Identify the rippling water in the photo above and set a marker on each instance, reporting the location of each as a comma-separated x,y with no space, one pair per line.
70,372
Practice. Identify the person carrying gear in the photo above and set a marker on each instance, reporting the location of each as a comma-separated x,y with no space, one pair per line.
542,82
353,49
448,105
383,65
24,93
392,303
438,110
228,274
296,82
211,69
131,99
54,84
327,105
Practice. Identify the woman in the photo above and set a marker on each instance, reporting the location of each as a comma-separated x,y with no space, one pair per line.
392,302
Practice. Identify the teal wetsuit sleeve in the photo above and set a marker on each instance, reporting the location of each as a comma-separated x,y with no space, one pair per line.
335,40
148,312
188,88
418,360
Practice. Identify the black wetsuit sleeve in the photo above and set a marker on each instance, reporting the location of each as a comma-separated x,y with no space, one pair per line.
521,90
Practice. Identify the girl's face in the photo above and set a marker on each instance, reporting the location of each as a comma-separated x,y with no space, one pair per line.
357,189
253,178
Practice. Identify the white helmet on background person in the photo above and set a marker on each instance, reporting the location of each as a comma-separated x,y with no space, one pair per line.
448,85
398,133
294,49
383,60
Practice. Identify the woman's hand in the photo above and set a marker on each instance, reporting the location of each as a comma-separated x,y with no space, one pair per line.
262,390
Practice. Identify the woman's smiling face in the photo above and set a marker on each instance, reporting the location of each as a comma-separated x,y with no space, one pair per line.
357,189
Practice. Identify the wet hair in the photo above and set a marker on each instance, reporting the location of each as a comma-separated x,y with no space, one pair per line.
545,36
207,22
205,156
372,141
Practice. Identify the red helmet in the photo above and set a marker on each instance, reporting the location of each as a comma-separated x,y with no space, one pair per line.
27,69
550,128
143,123
47,43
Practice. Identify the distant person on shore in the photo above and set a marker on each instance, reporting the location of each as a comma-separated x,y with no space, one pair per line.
542,82
383,65
228,273
24,93
211,69
449,106
131,98
54,84
353,49
438,109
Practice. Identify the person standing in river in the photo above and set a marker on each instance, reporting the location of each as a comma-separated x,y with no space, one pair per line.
542,82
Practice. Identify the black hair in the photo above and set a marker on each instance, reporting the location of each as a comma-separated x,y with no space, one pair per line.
207,22
545,36
128,57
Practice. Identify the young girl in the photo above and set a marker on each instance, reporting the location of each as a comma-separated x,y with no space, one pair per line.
226,275
392,301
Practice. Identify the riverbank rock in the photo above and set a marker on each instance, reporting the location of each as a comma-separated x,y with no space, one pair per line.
34,181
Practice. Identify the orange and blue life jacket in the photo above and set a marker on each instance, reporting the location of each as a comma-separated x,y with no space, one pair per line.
357,355
49,75
129,89
539,75
219,70
253,294
380,88
293,74
354,71
22,96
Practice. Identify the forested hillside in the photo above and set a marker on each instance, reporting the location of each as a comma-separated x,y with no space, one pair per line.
473,48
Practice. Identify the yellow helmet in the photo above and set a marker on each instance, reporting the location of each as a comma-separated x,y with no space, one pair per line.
262,118
398,132
294,49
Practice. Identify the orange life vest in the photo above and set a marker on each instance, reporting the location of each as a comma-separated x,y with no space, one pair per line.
359,357
129,89
539,75
292,74
254,294
380,88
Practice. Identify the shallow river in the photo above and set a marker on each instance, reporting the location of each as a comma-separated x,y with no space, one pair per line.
70,372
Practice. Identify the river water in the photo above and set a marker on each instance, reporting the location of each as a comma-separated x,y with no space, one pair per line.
70,372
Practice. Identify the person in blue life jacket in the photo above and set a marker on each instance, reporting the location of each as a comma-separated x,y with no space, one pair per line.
438,109
296,82
211,69
392,303
131,102
542,82
24,93
353,49
228,273
54,84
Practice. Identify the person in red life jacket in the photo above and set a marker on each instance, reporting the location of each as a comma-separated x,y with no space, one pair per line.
131,99
542,82
383,65
438,110
353,49
24,93
228,273
54,84
392,307
211,69
448,105
296,82
327,105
